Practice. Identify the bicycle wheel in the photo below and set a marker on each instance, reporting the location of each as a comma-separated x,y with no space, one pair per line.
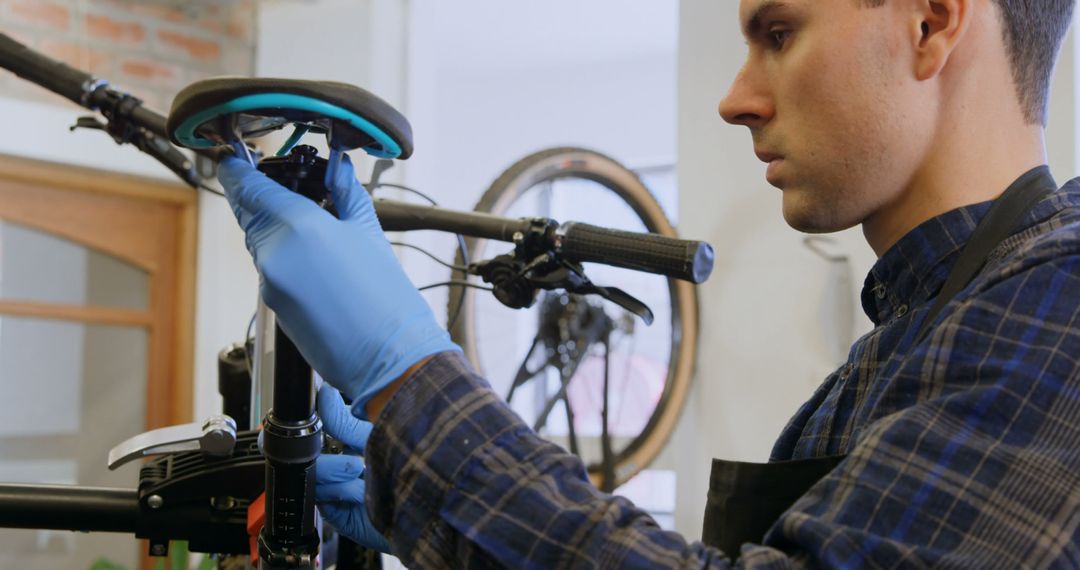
635,384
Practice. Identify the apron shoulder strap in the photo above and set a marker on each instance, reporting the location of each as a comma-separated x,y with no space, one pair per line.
998,224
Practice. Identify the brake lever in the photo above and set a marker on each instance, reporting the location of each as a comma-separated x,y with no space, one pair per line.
626,301
88,122
157,147
516,283
581,285
571,277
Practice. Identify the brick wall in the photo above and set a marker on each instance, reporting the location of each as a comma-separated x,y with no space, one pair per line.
149,48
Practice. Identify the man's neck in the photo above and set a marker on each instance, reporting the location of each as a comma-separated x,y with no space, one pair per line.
966,170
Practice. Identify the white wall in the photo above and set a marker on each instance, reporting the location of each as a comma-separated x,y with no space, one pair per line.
762,329
1063,130
490,82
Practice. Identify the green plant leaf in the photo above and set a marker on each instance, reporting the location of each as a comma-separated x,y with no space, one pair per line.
105,564
178,555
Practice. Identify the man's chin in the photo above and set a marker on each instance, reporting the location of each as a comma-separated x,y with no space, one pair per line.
813,218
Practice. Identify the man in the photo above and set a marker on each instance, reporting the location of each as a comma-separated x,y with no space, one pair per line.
951,437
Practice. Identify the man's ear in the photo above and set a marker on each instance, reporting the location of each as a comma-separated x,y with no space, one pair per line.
937,28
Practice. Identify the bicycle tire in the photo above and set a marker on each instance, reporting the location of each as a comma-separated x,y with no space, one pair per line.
573,162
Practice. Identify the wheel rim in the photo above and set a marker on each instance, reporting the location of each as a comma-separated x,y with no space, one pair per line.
632,451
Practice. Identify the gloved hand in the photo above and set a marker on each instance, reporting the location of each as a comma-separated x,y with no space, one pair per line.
335,285
339,483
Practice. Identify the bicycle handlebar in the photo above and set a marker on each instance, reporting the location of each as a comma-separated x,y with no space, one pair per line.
681,259
574,241
53,75
73,84
128,120
395,216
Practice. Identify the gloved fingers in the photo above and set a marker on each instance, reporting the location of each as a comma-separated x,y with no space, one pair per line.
350,197
240,150
347,492
243,217
248,189
227,180
339,421
237,150
333,468
352,522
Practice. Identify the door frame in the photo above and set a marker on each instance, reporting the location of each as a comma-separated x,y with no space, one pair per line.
149,223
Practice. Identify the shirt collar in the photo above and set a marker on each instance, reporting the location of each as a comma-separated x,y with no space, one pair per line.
915,268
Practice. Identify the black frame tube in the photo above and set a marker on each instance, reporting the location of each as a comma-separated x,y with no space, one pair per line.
65,507
292,439
234,385
294,388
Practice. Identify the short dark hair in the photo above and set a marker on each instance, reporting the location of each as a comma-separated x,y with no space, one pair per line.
1033,32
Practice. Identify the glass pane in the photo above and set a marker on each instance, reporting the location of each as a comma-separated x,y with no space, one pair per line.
39,266
71,392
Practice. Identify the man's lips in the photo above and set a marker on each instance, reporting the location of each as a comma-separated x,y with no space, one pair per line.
767,157
774,161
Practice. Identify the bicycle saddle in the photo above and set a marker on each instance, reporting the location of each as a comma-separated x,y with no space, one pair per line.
216,111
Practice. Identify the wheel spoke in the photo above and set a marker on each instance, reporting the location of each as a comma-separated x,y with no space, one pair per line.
607,461
566,373
571,431
524,374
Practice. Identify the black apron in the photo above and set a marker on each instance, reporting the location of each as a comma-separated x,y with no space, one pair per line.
746,499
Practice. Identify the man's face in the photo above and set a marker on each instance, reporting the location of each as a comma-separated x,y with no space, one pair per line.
828,93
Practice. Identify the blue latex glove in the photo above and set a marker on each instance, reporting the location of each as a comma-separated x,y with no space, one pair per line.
339,483
335,285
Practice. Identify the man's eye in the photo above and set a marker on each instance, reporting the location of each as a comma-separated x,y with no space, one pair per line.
779,37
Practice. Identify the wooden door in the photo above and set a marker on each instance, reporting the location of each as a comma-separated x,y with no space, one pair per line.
96,333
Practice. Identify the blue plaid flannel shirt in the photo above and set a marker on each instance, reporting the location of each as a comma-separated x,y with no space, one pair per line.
964,449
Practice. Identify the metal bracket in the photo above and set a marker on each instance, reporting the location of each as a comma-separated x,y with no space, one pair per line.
216,436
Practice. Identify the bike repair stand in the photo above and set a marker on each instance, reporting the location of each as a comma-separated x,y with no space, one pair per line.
230,111
226,112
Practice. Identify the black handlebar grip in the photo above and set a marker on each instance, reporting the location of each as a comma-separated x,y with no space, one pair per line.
652,253
53,75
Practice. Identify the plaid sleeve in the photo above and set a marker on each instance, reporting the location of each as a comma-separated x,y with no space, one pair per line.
455,479
982,472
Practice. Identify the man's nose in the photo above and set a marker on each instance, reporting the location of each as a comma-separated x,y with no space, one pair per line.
747,102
